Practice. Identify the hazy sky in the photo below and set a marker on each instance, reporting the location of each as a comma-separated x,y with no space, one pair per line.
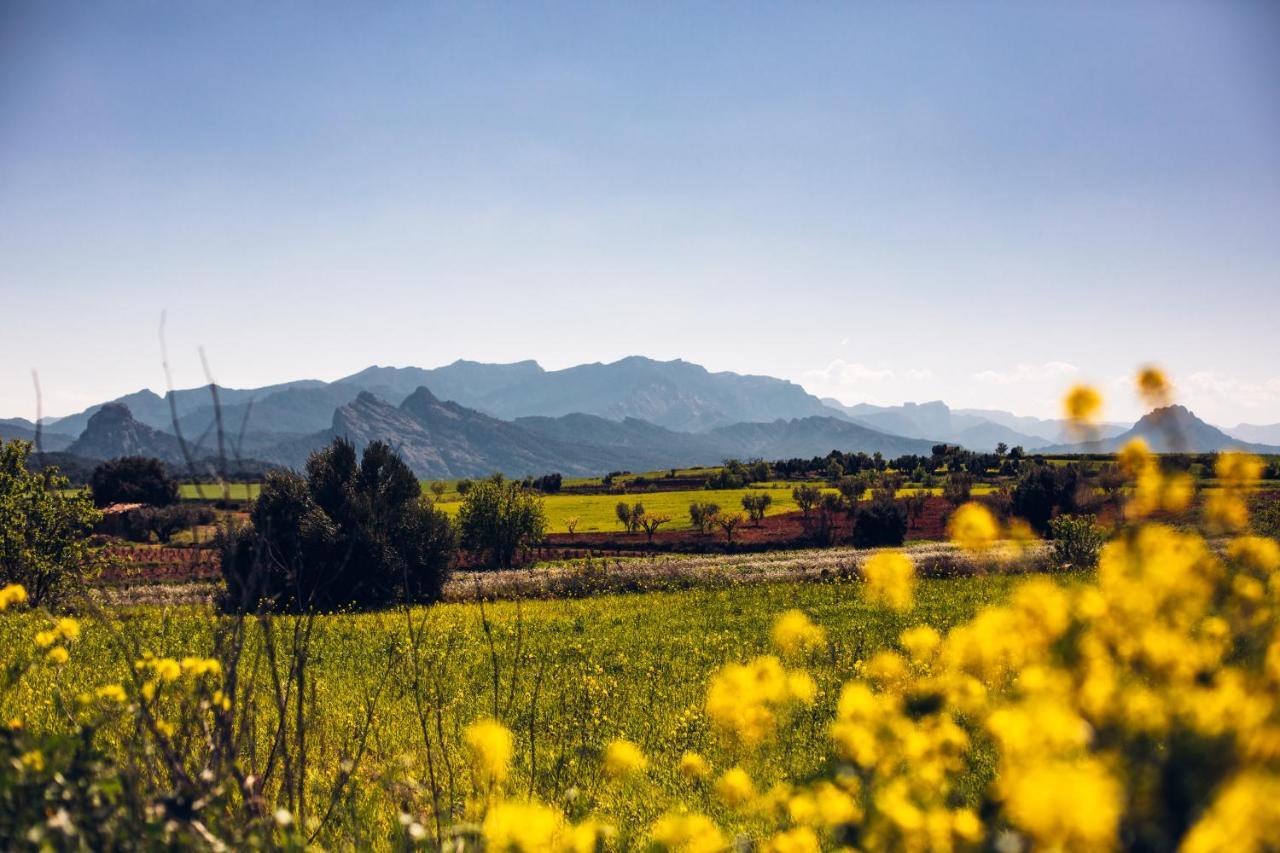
884,202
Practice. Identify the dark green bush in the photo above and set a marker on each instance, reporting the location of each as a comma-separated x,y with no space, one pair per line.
347,534
133,479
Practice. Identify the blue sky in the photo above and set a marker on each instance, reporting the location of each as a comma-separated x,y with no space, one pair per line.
976,202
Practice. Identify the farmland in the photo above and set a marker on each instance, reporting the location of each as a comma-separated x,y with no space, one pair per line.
587,671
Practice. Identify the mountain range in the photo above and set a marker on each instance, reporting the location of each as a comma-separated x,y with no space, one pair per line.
469,418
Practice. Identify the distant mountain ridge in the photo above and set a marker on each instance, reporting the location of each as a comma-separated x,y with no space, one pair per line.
972,428
1170,429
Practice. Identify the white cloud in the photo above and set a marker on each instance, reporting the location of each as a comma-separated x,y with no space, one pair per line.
854,380
1026,373
841,372
1250,395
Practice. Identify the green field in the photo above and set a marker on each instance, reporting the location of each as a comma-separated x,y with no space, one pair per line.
212,491
634,666
596,512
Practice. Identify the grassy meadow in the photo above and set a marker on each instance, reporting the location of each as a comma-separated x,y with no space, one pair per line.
570,675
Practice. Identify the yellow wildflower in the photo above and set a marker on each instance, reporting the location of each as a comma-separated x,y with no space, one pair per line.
920,642
68,629
12,594
802,839
33,760
623,759
687,833
490,746
112,693
890,579
1235,470
694,767
1154,387
57,656
1064,804
795,634
1082,405
973,527
735,788
531,827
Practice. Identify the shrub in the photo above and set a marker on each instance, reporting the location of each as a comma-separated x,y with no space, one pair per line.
140,524
499,519
1077,541
132,479
346,534
880,524
44,527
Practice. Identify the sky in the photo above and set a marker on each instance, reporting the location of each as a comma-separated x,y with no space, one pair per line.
982,202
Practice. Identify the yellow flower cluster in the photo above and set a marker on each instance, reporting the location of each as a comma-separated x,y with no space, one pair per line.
1140,708
623,759
744,701
490,746
1154,387
1082,405
12,594
891,579
973,527
794,634
512,826
65,631
1153,490
1226,510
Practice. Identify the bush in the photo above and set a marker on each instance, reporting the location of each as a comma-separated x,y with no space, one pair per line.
163,522
132,479
346,534
880,524
44,527
1041,491
1077,540
499,519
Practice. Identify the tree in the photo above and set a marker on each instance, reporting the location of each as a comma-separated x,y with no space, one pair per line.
501,519
650,522
1001,449
880,523
571,524
851,488
806,497
958,487
132,479
1042,490
917,503
830,505
834,471
702,515
350,532
756,505
729,523
622,510
438,489
44,528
